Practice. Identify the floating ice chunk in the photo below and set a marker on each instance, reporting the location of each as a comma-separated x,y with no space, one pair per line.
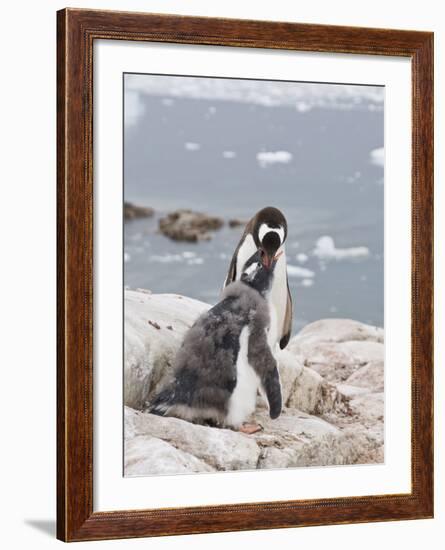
302,257
325,249
296,271
134,107
167,258
307,282
229,154
195,261
273,157
187,254
377,156
303,107
356,176
191,146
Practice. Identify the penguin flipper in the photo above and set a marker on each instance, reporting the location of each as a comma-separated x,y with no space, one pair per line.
161,403
231,274
272,388
287,324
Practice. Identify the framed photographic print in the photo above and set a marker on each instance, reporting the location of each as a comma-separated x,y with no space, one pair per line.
245,229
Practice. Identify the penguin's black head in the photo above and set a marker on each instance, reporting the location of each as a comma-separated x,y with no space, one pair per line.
256,274
269,232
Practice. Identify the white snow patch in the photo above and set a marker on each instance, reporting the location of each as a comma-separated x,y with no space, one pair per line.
191,146
273,157
307,282
325,249
195,261
302,257
377,156
296,271
188,254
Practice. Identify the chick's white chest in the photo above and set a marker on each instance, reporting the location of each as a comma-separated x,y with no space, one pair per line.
243,399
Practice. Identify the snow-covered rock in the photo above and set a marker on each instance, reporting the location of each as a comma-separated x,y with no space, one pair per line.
370,376
221,449
332,379
337,348
150,456
338,330
155,325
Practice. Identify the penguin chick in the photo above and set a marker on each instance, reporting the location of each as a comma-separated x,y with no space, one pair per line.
226,357
267,231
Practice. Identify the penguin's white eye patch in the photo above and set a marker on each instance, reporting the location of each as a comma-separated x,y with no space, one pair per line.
266,228
252,267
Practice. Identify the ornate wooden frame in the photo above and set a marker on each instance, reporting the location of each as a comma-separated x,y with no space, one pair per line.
76,32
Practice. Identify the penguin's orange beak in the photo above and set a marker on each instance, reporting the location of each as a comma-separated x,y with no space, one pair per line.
267,260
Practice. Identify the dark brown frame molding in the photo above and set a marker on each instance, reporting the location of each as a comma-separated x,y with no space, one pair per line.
76,32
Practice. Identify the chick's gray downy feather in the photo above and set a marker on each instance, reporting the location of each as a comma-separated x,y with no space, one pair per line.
205,365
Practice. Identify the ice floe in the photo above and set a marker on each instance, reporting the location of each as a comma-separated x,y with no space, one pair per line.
265,158
325,249
377,156
167,258
195,261
133,107
229,154
296,271
191,146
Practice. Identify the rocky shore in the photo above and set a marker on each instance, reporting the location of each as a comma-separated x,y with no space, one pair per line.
332,382
133,212
187,225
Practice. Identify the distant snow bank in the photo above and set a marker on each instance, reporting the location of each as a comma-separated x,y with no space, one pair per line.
325,249
302,96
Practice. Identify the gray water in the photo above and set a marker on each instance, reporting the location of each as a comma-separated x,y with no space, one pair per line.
330,187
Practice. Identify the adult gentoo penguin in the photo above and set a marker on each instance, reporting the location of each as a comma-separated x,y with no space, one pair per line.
226,357
267,231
